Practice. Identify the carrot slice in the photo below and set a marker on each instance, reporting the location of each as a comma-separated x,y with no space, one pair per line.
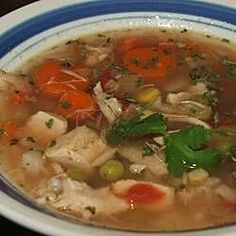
53,79
77,105
18,98
149,62
127,44
9,129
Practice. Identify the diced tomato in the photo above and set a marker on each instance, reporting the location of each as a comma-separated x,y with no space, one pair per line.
105,77
143,193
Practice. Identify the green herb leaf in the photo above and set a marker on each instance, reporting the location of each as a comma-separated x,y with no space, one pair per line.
52,143
205,75
136,127
30,139
184,151
149,149
2,133
13,141
65,105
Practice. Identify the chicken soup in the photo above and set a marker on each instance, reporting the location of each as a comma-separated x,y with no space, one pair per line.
129,129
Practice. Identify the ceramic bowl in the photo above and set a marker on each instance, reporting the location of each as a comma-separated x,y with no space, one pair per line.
31,29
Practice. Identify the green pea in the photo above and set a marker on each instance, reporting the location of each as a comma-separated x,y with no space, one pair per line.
112,170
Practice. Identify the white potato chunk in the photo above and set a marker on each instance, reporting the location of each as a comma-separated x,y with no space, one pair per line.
165,196
80,148
44,127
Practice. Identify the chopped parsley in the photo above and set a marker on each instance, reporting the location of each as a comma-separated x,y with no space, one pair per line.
205,75
2,132
49,123
13,141
184,31
65,105
212,97
30,139
230,66
149,149
52,143
134,61
225,40
92,209
198,56
129,98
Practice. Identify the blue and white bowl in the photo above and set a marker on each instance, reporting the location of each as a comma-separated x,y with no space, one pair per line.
31,29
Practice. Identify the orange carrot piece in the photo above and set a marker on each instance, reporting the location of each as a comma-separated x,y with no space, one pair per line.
52,79
9,130
18,98
125,45
77,105
149,62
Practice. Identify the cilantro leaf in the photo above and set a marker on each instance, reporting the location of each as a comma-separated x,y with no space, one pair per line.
136,127
184,151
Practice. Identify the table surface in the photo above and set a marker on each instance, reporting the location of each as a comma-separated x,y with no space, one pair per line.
11,228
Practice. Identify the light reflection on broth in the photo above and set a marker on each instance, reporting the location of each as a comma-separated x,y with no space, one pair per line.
131,129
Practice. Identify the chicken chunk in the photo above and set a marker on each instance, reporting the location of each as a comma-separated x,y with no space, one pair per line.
44,127
110,106
81,148
156,198
79,198
133,152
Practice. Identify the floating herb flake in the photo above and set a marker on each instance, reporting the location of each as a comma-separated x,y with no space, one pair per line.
149,149
52,143
30,139
65,105
13,141
49,123
2,133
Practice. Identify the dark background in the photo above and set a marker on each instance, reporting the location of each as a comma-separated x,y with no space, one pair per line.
6,226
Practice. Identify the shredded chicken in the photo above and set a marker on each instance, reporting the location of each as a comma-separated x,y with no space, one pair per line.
133,152
198,89
65,195
186,119
96,55
206,191
167,108
110,106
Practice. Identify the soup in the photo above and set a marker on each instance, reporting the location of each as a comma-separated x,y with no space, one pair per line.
129,129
